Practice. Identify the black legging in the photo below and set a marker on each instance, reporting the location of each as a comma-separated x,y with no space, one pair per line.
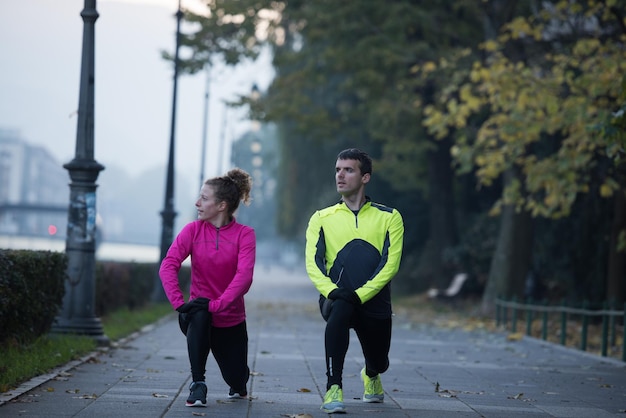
229,346
374,335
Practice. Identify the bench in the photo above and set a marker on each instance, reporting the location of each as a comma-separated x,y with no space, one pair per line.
453,290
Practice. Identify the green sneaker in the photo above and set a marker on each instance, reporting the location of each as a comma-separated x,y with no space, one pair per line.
333,400
373,388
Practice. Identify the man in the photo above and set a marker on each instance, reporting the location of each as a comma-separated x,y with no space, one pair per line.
353,250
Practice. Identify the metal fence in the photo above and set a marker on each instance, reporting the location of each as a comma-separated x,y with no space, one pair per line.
611,330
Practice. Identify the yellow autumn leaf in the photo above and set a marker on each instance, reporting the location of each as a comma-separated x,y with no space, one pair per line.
606,190
515,336
552,106
430,66
452,106
490,45
522,100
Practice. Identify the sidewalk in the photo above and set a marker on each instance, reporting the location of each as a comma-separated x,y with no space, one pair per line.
477,374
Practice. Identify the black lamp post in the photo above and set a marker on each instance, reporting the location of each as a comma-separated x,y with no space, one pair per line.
77,314
168,213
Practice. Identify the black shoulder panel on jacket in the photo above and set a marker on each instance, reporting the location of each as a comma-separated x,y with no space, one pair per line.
382,207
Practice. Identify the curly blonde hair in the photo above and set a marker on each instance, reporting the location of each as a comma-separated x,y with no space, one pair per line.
232,188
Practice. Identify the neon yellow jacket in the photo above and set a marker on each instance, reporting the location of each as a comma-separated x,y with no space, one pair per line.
360,252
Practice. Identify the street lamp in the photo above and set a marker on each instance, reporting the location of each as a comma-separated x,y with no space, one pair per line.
77,315
168,213
205,124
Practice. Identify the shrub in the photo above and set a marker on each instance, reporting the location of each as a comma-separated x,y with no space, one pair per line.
31,292
128,285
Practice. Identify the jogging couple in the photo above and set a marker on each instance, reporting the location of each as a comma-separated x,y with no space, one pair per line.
353,250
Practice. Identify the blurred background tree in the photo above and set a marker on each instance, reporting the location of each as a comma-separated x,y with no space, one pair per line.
495,127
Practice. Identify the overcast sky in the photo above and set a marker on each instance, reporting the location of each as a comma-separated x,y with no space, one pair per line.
40,57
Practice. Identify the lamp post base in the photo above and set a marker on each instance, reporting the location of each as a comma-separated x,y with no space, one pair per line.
91,327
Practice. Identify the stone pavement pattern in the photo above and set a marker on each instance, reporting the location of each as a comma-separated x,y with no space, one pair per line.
433,373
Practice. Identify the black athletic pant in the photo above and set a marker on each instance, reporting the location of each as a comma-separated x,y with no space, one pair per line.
229,346
374,335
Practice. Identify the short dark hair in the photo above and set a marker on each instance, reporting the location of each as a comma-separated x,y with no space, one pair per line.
361,156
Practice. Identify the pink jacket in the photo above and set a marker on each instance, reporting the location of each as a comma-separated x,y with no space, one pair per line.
222,265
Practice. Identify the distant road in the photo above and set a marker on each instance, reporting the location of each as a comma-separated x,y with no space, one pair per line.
106,251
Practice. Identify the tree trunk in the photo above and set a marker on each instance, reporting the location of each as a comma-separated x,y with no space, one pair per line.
443,232
512,256
617,259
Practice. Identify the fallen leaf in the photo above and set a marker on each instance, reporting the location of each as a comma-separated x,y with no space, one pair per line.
515,336
198,414
49,389
92,396
158,395
304,390
518,396
74,391
447,394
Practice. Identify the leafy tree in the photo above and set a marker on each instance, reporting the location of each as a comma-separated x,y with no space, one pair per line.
346,77
529,110
555,95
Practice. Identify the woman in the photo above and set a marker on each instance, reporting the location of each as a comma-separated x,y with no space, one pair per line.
222,263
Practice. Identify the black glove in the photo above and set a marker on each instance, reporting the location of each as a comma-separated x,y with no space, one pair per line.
348,295
198,304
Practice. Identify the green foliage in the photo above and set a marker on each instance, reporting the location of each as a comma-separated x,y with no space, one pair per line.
128,285
557,95
226,31
31,291
541,97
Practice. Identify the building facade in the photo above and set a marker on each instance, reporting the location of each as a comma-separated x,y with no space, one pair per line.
34,192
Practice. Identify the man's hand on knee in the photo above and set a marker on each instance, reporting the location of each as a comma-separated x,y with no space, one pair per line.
347,295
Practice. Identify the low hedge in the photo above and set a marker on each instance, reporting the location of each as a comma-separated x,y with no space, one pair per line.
31,293
32,285
128,285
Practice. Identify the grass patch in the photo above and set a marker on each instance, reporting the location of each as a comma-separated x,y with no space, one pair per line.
19,363
124,322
